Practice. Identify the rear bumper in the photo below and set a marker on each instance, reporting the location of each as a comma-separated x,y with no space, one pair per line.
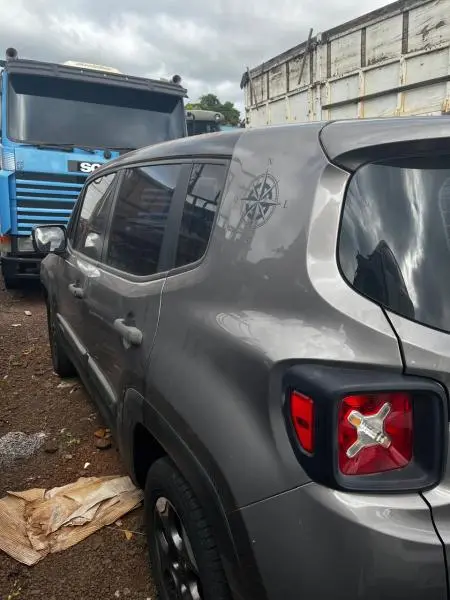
21,267
313,542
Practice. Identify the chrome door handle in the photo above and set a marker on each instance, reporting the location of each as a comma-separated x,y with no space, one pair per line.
76,291
131,334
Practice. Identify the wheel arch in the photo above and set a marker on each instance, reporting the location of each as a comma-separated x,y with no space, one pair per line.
141,430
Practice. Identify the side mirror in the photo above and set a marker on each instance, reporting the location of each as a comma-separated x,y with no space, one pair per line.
50,238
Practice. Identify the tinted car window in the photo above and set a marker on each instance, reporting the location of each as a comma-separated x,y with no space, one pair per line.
140,218
205,187
89,232
395,237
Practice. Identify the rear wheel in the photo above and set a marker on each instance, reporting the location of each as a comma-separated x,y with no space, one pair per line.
62,365
184,556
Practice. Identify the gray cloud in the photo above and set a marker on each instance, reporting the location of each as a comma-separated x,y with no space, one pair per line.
208,43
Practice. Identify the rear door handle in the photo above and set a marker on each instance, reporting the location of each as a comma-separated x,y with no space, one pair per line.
76,291
131,334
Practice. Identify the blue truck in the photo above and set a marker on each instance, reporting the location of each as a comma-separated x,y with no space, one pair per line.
59,122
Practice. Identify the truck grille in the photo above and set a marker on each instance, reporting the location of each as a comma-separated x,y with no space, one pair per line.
45,198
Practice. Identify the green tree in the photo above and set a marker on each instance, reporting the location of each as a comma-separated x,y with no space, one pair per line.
231,113
192,106
212,102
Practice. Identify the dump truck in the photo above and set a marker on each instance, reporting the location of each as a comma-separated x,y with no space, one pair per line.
394,61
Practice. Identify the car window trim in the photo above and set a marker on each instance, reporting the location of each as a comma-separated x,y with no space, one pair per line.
170,239
78,206
121,175
162,270
73,221
226,162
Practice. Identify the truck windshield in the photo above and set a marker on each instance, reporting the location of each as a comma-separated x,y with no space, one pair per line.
199,127
45,110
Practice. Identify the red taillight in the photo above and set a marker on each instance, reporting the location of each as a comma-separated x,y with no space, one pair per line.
302,414
375,433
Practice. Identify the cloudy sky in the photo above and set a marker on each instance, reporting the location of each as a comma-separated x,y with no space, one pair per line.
208,42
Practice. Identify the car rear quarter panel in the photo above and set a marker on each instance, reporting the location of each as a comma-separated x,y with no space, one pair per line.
267,294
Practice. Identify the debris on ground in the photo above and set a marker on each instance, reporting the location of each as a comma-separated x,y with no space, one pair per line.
67,384
17,445
103,433
103,443
87,570
102,439
27,313
51,446
37,522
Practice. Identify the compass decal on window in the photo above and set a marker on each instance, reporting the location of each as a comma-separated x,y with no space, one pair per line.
261,200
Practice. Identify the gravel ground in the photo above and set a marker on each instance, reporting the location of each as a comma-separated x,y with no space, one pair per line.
107,565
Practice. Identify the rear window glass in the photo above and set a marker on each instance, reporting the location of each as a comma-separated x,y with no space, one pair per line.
394,244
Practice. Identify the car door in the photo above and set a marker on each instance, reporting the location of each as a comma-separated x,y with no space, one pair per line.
123,302
191,302
85,245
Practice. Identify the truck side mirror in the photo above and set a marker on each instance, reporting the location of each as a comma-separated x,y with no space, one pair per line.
50,238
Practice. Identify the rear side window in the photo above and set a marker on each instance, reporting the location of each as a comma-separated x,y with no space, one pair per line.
140,218
394,244
205,187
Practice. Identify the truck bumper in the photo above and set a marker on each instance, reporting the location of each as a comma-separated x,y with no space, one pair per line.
314,542
20,267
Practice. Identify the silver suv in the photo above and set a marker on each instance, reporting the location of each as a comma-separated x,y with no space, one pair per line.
263,318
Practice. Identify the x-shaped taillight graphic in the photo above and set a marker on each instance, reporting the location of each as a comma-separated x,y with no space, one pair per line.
370,430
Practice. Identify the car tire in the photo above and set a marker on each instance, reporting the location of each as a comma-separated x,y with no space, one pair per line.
183,553
62,365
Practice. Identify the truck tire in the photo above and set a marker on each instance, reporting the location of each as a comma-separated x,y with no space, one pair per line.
11,283
183,553
62,365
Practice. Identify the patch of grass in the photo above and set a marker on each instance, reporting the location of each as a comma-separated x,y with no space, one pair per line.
15,592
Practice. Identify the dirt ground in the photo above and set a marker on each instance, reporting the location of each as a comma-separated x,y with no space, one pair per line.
107,564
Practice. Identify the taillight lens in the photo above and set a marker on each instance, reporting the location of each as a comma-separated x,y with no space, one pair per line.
302,414
375,433
366,430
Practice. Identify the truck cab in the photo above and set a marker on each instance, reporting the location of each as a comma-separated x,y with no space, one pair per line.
60,122
203,121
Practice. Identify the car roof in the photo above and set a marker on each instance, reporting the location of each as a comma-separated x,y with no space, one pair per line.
219,144
344,141
210,144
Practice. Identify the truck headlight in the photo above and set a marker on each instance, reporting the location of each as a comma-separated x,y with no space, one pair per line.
8,159
25,244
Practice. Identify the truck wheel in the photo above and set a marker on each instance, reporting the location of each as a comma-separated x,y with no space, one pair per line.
183,554
62,365
11,283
